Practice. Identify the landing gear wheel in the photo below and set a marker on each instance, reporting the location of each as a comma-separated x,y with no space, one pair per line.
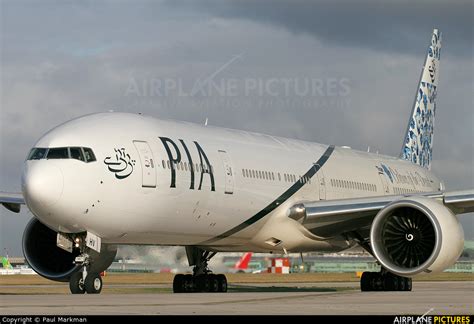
213,283
391,282
76,283
408,284
203,283
93,283
385,281
222,282
189,284
366,281
178,283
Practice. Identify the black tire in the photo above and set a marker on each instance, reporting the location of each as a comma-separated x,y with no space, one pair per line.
213,283
189,284
366,281
391,282
222,283
76,284
203,283
93,283
178,283
408,284
403,284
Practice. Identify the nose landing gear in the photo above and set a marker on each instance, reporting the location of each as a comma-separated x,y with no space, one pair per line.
84,281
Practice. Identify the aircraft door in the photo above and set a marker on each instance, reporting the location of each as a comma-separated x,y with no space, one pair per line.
229,174
384,181
147,163
321,182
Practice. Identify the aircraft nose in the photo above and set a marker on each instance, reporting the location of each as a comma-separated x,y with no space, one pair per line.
42,183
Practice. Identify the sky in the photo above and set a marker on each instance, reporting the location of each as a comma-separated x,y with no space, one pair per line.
329,71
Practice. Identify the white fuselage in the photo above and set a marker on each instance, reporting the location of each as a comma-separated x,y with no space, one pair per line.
129,195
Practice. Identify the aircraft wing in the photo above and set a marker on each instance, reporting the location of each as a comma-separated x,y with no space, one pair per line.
333,217
12,201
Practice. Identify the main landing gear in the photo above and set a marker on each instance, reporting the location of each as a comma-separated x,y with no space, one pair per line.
384,281
379,281
84,281
202,280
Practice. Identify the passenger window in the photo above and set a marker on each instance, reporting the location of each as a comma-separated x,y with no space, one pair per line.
76,153
37,153
89,155
58,153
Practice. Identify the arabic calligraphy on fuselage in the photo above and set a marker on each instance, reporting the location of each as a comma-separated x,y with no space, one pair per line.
122,165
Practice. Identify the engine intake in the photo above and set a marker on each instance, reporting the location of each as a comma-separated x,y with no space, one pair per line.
48,260
416,235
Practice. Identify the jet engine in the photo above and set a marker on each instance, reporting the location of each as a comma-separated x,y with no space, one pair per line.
416,235
50,261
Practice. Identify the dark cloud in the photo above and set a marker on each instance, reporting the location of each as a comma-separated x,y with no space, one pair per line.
393,25
61,60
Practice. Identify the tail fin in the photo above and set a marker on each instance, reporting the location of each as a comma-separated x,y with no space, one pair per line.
243,263
418,144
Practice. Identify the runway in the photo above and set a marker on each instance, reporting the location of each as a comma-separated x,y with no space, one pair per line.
341,298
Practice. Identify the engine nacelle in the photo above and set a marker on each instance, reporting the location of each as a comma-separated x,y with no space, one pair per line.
415,235
48,260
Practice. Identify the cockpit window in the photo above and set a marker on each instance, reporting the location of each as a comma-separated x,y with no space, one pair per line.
37,153
76,153
90,157
58,153
84,154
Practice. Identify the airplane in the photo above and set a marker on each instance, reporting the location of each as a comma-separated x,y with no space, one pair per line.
242,264
108,179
